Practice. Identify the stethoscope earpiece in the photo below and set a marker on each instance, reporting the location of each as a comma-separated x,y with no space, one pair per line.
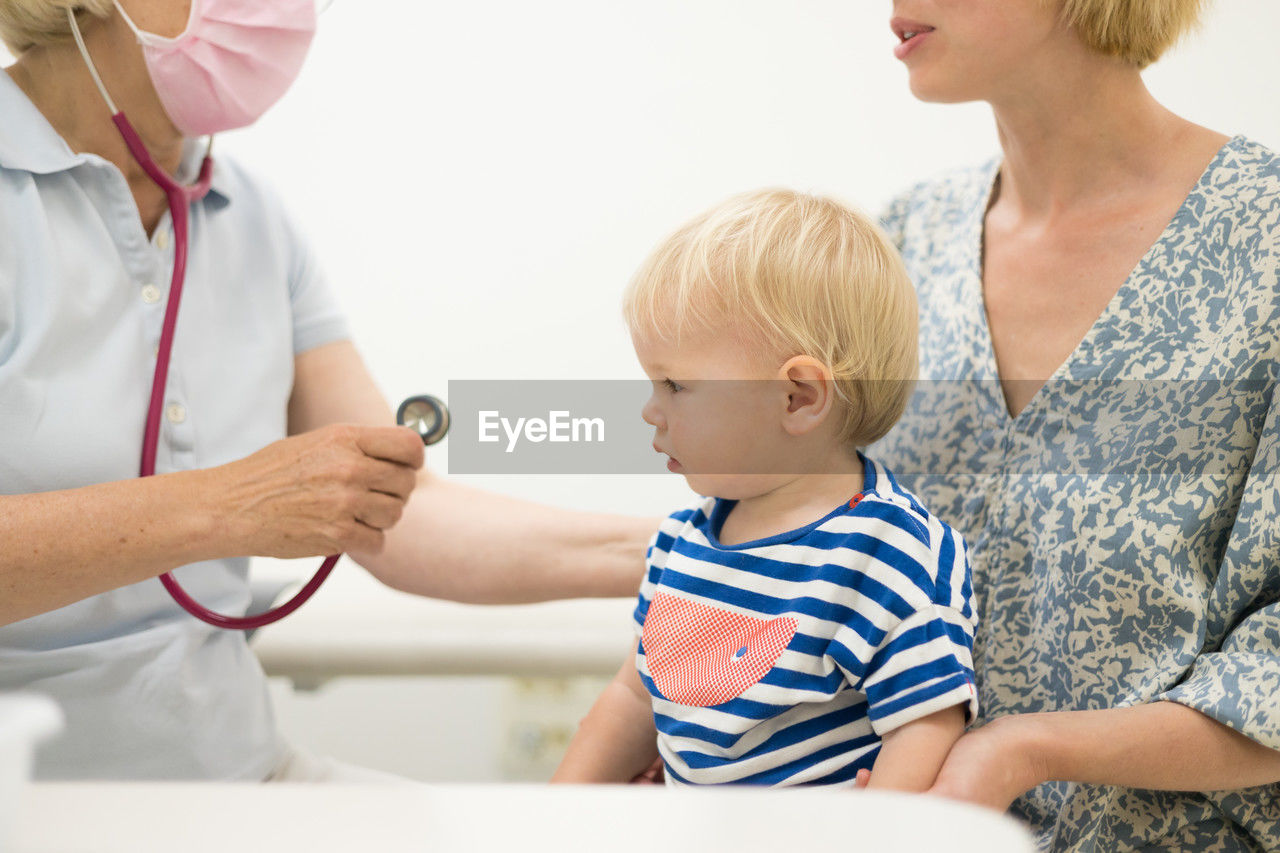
426,415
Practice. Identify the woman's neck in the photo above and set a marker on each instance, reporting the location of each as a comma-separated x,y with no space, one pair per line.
1089,136
56,79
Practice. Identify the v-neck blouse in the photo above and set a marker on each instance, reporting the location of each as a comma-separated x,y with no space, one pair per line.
1123,527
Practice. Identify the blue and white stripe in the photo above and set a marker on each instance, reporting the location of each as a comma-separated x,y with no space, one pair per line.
883,602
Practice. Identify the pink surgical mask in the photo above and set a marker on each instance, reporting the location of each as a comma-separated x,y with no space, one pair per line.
234,60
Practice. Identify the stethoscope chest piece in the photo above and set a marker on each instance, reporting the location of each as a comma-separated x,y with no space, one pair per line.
426,415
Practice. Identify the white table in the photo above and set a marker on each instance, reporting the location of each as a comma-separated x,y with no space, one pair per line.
355,626
246,818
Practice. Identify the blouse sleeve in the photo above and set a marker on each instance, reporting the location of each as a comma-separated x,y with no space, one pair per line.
1236,679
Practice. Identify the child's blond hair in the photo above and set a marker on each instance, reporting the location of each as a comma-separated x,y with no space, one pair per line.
800,275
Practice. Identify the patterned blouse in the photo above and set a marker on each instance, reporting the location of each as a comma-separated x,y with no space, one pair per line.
1124,528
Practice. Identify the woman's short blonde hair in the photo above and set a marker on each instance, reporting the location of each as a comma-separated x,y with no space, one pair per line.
792,274
28,23
1137,31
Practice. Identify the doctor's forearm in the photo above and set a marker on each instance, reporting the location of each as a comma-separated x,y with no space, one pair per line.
465,544
64,546
332,490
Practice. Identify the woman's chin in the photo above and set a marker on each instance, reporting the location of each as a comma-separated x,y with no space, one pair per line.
936,88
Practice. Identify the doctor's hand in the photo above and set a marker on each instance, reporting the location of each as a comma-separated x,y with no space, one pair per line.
328,491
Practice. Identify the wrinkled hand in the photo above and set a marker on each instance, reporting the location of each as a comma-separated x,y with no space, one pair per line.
989,766
324,492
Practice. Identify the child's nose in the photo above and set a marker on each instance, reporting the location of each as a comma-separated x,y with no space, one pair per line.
653,415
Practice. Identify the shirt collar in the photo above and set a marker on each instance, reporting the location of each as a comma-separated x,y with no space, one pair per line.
29,143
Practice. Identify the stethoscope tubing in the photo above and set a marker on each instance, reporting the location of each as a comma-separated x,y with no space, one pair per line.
180,199
431,420
249,622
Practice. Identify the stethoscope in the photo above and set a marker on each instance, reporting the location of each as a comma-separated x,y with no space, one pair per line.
426,415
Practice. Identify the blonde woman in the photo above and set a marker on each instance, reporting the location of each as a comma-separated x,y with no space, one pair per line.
1100,328
86,251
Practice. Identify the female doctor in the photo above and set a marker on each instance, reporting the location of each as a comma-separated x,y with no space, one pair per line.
273,438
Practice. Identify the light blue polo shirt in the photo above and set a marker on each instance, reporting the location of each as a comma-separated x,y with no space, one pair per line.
149,692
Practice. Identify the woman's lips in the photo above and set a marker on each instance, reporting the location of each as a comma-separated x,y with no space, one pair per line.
904,50
910,35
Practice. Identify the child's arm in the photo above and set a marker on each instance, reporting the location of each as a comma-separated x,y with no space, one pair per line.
617,739
911,755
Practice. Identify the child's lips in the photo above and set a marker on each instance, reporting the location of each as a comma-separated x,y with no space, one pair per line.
672,464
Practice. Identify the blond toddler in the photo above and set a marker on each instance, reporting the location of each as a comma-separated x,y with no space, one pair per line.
807,618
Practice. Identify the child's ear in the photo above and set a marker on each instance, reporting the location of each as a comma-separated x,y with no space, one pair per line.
810,394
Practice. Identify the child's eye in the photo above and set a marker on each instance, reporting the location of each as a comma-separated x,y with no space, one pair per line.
672,386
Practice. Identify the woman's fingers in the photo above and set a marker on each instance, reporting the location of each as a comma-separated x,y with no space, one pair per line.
389,478
333,489
363,538
393,444
653,775
379,483
379,511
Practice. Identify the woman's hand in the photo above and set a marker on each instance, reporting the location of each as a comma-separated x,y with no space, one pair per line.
990,766
331,490
322,492
655,775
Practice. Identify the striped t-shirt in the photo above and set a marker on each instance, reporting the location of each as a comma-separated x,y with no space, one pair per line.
783,661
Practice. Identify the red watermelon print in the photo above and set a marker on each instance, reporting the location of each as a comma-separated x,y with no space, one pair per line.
702,656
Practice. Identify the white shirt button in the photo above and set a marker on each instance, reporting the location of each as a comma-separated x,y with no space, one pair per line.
150,294
175,413
162,240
